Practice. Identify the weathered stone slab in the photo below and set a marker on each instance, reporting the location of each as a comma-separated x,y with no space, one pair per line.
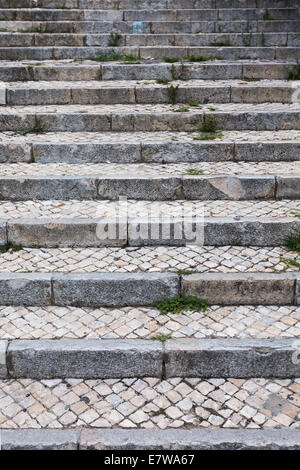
113,289
39,439
288,187
25,289
86,359
3,367
241,288
240,358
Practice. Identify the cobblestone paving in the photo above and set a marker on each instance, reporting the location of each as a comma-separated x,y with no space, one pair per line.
96,209
149,108
150,403
148,137
150,259
141,323
149,169
151,83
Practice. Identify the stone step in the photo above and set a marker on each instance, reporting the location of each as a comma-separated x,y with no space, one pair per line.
255,407
148,118
150,52
146,4
232,14
240,322
28,39
133,92
91,70
141,223
154,439
149,148
155,27
129,358
147,185
119,289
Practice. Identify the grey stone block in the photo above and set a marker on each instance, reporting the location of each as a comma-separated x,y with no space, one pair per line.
190,439
239,358
135,71
267,151
15,153
248,231
27,96
25,289
288,187
86,152
46,188
3,367
275,71
261,94
86,359
3,232
66,73
64,232
150,188
113,289
241,288
171,152
228,187
39,439
212,71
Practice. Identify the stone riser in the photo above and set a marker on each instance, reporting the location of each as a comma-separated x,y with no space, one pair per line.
115,71
135,40
221,53
87,232
149,188
157,27
149,95
138,152
147,121
106,359
149,15
146,4
144,439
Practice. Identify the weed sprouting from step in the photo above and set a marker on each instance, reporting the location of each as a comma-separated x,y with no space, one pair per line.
173,93
294,73
37,29
162,337
193,104
209,129
194,171
267,16
38,128
178,73
10,247
180,304
290,262
163,81
186,272
60,7
182,109
3,30
292,241
170,60
114,56
114,39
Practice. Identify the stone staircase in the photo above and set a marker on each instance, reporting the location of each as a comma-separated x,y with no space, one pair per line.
185,108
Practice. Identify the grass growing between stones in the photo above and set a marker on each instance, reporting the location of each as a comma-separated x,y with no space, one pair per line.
163,81
209,129
170,60
182,109
200,58
173,93
37,29
194,171
292,241
38,128
162,337
114,56
10,247
180,304
186,272
114,39
290,262
294,73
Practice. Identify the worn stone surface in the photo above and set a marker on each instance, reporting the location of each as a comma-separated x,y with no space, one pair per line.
87,359
194,439
118,289
241,288
34,439
231,358
3,368
25,289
